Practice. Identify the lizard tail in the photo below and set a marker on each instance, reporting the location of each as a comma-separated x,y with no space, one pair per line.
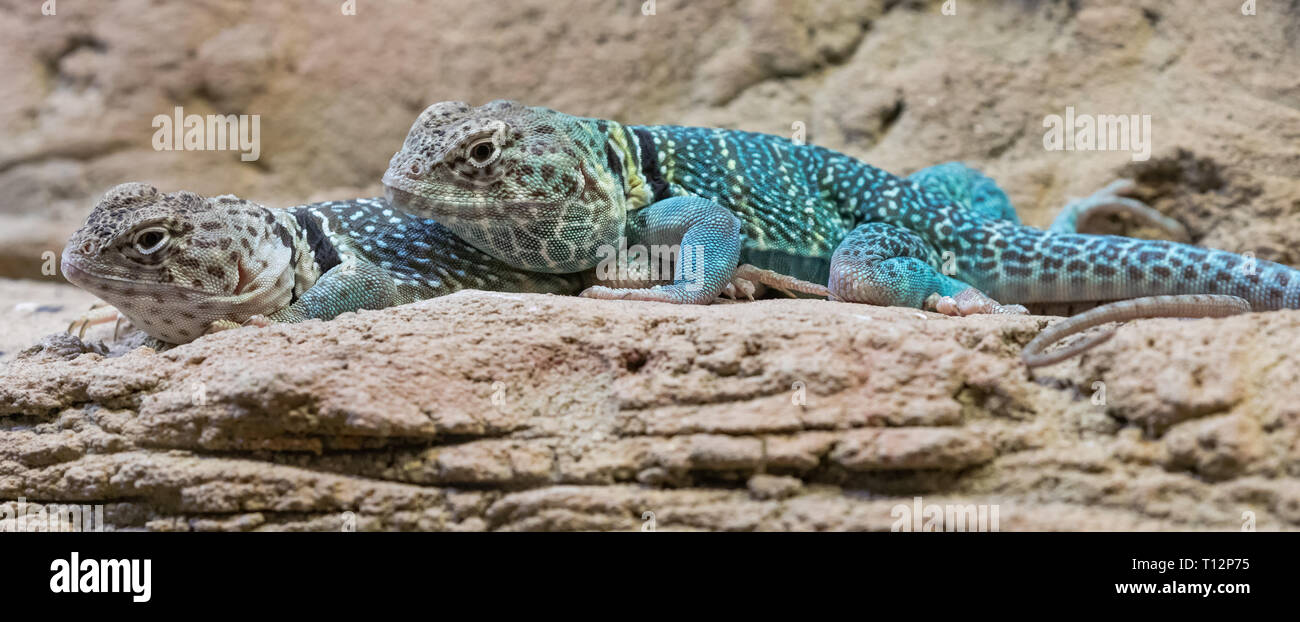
1190,306
1023,265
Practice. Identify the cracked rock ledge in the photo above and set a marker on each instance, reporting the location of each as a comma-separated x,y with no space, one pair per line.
500,412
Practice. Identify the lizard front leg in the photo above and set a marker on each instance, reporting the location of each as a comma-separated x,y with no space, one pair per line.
346,287
709,239
99,313
349,286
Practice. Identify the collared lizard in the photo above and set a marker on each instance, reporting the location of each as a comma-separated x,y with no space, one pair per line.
180,265
545,191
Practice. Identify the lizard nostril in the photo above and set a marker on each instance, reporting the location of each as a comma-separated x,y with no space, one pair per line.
415,168
87,248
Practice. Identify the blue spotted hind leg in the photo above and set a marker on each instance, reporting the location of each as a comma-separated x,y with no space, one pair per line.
968,188
978,192
886,265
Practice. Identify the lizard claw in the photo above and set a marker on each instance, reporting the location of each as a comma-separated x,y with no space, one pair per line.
739,287
259,321
675,294
970,301
780,282
99,313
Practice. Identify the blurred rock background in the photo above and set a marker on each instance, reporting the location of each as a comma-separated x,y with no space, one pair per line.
898,84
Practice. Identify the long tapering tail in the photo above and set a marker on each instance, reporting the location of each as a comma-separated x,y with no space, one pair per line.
1023,265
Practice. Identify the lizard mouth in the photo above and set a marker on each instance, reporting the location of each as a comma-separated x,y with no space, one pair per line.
421,205
78,275
446,211
74,274
247,278
92,282
454,215
410,202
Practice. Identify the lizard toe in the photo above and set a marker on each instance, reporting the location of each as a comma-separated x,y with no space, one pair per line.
667,293
786,284
258,320
220,325
1013,309
942,304
971,301
99,313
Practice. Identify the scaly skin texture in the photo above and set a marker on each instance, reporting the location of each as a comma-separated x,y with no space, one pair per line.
181,265
546,191
1185,305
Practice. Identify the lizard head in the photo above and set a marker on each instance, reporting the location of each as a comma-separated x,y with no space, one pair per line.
530,186
174,263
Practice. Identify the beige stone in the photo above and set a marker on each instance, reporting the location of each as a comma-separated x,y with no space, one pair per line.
460,413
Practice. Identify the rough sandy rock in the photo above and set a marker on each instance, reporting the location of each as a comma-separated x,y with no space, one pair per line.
31,309
482,411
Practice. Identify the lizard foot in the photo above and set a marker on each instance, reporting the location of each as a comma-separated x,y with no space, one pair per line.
970,301
99,313
739,287
259,320
780,282
660,293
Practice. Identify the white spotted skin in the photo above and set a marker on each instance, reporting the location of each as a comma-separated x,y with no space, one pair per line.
225,259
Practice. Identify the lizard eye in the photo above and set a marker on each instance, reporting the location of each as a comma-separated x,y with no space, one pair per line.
150,240
483,152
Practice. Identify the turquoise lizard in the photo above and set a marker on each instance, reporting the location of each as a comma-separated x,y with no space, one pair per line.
544,191
180,265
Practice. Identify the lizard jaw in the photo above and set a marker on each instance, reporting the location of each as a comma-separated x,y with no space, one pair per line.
77,274
257,294
409,202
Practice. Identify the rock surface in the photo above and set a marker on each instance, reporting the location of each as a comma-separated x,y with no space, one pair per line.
32,309
501,412
504,412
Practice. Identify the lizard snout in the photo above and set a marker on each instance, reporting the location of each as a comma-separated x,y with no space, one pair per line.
70,265
411,167
80,248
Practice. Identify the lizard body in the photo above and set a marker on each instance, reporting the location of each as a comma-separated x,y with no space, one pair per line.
546,191
180,265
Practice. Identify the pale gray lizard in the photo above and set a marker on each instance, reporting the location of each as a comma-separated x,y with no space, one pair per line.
180,265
